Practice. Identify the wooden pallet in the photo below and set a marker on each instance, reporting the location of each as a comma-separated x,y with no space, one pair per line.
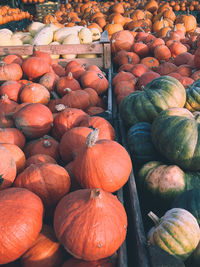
101,49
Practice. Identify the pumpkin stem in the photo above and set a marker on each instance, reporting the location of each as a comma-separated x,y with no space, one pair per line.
69,75
94,193
68,90
59,107
46,143
92,138
154,217
4,97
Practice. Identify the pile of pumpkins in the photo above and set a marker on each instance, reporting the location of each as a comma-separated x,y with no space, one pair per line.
157,88
151,16
56,193
8,14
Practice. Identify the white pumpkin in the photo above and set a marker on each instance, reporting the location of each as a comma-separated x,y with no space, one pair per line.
87,56
19,35
5,36
96,35
62,33
71,39
27,38
54,56
85,36
16,41
54,27
35,27
43,37
5,41
6,32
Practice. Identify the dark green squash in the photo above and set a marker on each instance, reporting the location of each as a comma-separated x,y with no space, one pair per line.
163,183
189,200
176,135
140,144
144,106
193,97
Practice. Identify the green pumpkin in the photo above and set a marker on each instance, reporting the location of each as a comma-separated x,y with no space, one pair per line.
163,183
140,144
177,232
195,257
144,106
189,200
176,135
193,97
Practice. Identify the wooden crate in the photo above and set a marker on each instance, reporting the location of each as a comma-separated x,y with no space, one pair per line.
101,48
46,9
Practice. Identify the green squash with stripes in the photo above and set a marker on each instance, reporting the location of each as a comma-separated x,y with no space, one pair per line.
176,135
193,97
162,183
189,200
144,106
177,232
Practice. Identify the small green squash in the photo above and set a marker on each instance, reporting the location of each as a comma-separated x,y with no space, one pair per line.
177,232
140,144
144,106
163,183
193,97
189,200
176,135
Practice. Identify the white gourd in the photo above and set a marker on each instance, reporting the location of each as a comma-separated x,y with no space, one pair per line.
16,41
43,37
96,35
54,56
71,39
85,36
35,27
62,33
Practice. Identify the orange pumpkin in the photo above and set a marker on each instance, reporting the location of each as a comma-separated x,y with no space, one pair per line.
34,93
67,82
34,120
86,160
101,213
67,119
45,251
22,213
39,158
122,40
49,181
95,80
12,136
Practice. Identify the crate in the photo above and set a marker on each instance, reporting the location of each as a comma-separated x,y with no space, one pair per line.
46,9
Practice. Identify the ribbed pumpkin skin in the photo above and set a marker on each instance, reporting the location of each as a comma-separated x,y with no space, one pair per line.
95,218
72,141
144,106
45,251
193,97
34,120
109,172
8,168
189,200
177,233
140,144
106,131
49,181
45,145
161,181
176,135
21,214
